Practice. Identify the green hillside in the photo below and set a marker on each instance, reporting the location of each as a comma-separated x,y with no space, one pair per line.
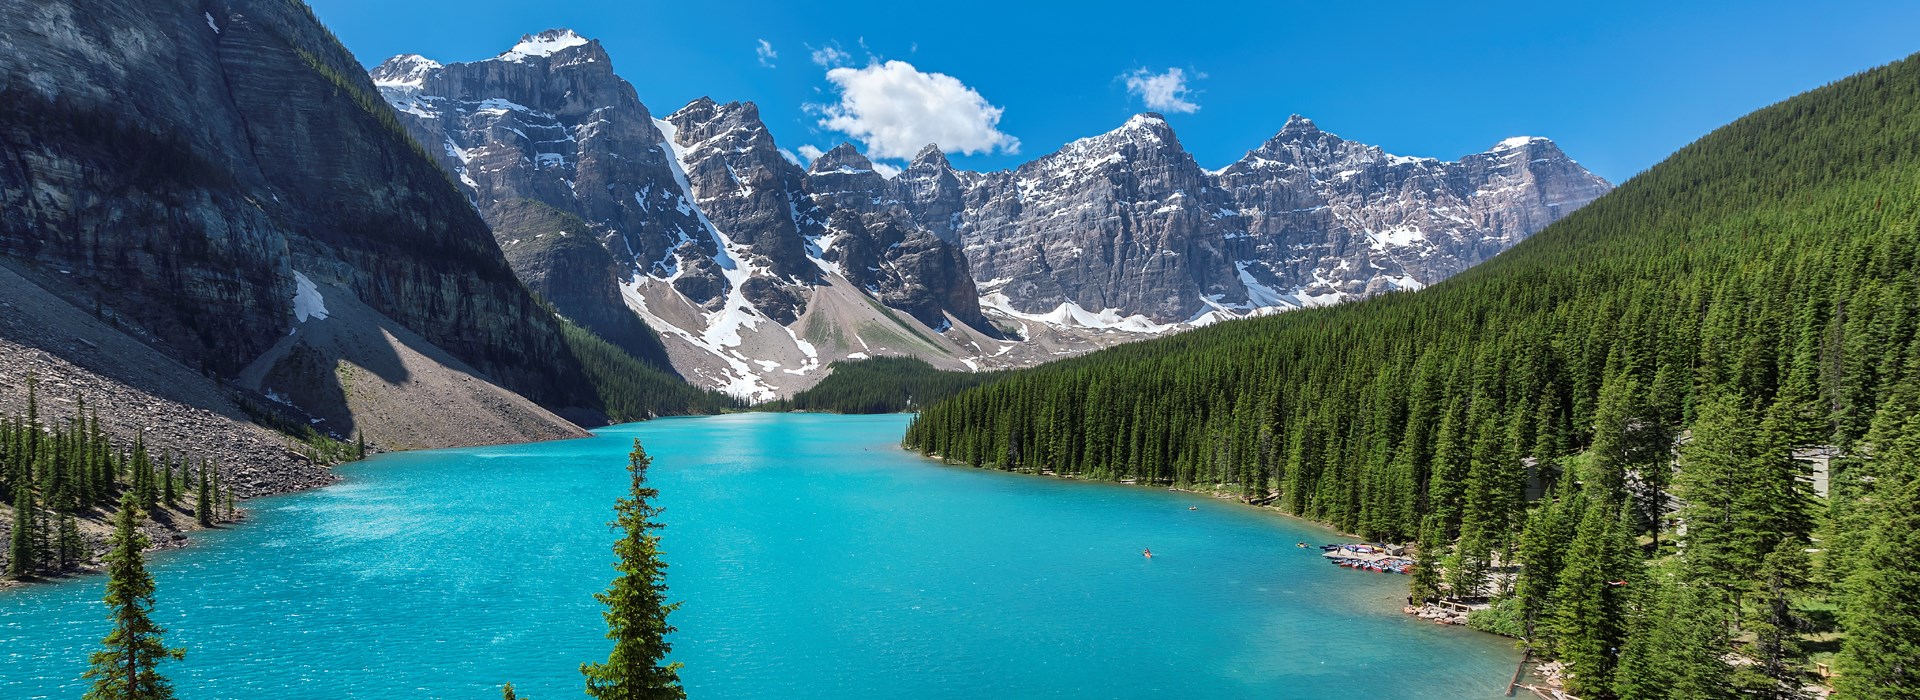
1754,293
880,385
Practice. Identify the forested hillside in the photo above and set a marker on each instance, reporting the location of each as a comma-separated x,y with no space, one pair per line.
632,390
1653,359
880,385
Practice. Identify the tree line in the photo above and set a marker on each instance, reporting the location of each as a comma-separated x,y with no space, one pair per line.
56,474
127,667
880,385
1603,430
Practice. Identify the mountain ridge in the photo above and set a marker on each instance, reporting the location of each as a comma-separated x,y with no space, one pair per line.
714,228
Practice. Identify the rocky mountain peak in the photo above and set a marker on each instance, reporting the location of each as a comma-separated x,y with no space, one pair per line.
404,71
930,156
547,43
1146,125
704,120
843,158
1297,127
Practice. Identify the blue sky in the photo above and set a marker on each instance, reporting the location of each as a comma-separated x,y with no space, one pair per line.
1618,85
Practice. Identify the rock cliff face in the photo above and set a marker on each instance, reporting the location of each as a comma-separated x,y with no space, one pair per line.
1126,229
877,243
548,123
175,162
1322,219
1124,221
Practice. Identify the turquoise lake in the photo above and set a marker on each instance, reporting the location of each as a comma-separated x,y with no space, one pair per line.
816,560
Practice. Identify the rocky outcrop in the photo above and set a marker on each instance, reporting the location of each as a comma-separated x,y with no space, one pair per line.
175,162
752,195
876,242
561,258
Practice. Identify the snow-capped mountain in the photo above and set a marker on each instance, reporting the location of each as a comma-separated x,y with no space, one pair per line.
1125,228
757,270
709,233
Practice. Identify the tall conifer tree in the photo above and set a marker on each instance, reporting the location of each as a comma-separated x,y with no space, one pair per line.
637,606
128,668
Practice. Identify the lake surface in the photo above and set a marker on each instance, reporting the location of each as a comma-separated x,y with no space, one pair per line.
816,559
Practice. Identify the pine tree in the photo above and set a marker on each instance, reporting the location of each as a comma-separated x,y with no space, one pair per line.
20,551
1880,658
1589,604
637,606
203,498
128,669
1674,647
506,693
167,493
71,547
1776,625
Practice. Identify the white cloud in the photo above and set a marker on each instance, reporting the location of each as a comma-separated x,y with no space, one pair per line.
831,56
1163,92
766,53
791,158
810,152
886,170
896,110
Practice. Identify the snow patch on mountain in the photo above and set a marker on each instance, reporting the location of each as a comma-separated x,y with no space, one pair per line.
545,43
307,300
1070,315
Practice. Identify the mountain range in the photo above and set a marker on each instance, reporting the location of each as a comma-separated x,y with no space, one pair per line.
724,258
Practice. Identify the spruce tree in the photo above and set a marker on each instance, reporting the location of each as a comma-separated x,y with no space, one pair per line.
20,550
1424,581
1880,658
168,494
71,547
1543,545
637,606
1775,624
1675,645
128,668
506,693
203,498
1589,603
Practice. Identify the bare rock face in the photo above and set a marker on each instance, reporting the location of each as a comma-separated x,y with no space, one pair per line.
563,255
753,196
1125,220
179,160
875,242
548,122
1327,219
1126,223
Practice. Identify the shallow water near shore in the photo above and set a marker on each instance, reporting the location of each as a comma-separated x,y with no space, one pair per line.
815,558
